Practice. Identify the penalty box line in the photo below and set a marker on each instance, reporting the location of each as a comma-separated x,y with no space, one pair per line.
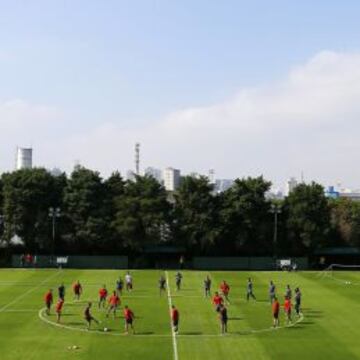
26,293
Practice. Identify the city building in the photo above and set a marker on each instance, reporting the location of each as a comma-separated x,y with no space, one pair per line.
155,173
171,178
291,184
23,158
223,185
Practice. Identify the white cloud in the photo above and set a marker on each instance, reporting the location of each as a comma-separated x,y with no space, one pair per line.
307,121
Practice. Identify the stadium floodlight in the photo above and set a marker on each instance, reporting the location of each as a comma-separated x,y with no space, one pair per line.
54,213
276,210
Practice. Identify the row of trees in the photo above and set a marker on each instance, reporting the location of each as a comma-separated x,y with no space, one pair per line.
116,216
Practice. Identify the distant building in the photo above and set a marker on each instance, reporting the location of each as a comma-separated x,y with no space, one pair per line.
23,158
171,178
155,173
331,193
354,196
130,175
56,172
291,184
222,185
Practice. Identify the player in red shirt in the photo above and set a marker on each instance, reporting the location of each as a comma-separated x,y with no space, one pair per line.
88,317
48,301
114,303
287,308
129,319
58,309
175,316
275,311
225,289
102,296
217,301
77,288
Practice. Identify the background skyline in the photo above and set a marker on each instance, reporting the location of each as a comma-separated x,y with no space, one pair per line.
245,89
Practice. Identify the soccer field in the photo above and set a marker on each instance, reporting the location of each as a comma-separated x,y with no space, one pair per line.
330,328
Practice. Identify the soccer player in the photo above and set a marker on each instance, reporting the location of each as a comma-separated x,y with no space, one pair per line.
48,301
217,301
287,308
129,281
288,292
175,319
114,303
61,291
275,311
178,278
119,286
207,286
298,301
272,291
162,284
58,309
129,319
88,317
77,288
102,296
223,316
250,291
225,289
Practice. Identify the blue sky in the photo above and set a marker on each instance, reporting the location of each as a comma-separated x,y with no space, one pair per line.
132,64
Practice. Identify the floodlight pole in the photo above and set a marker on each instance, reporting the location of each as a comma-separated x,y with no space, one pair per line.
54,213
276,210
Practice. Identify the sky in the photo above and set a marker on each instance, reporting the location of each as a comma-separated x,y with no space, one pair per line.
246,88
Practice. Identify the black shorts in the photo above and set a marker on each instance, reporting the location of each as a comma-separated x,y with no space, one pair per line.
224,321
217,309
88,318
276,315
48,305
129,321
175,322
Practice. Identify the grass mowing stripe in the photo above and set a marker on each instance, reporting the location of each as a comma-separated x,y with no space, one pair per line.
26,293
176,355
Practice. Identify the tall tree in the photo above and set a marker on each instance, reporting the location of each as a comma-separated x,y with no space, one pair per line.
114,189
84,211
308,218
28,194
196,214
140,212
245,217
345,218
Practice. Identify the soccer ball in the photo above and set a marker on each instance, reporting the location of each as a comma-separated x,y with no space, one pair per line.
348,282
105,329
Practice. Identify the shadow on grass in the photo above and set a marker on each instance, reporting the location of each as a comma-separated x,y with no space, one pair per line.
235,318
144,333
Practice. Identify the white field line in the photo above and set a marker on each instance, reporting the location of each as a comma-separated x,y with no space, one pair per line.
110,333
176,355
26,293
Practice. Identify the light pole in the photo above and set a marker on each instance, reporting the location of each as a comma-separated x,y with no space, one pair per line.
54,213
276,210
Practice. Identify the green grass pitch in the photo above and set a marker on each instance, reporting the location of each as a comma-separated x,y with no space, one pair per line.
329,330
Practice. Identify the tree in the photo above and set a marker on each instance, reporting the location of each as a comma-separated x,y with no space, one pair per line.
345,218
84,211
245,217
114,189
27,196
140,212
308,218
195,212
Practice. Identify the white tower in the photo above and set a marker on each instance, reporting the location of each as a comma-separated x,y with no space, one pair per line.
23,158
